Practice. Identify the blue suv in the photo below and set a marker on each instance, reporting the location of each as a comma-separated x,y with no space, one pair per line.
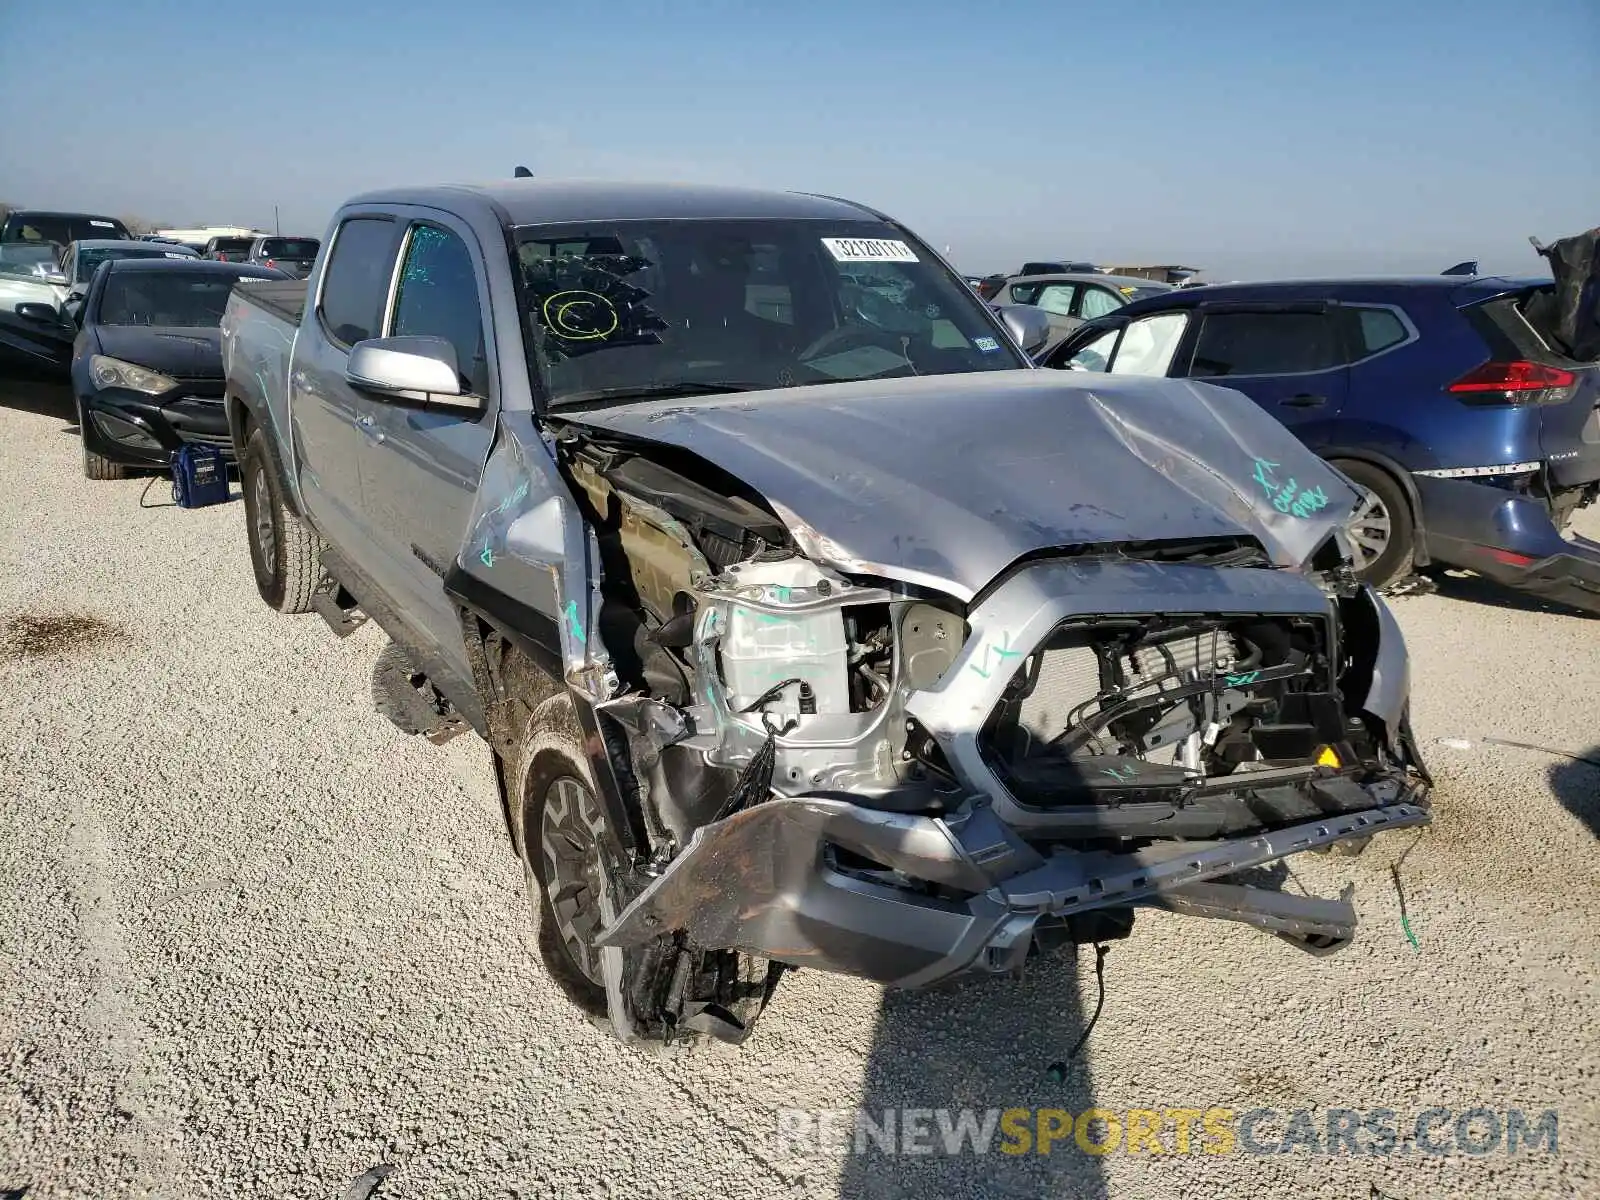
1457,403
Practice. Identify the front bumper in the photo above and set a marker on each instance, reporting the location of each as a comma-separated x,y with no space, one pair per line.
908,899
1509,538
171,421
762,882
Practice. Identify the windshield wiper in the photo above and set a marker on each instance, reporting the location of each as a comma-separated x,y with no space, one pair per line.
657,391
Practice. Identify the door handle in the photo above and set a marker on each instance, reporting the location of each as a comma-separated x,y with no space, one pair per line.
1304,400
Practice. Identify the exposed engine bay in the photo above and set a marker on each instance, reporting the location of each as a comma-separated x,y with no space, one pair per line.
863,774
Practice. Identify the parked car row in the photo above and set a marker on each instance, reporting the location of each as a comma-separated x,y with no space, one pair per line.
133,322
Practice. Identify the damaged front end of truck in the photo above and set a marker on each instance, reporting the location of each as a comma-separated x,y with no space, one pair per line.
861,695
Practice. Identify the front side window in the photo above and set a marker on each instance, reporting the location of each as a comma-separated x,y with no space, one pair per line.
1148,346
168,299
1265,343
639,308
1096,356
438,296
356,282
1024,293
1142,347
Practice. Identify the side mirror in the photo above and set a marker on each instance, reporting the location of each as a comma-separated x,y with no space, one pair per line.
1029,326
410,368
43,313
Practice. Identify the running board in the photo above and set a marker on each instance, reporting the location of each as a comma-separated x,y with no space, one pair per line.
343,619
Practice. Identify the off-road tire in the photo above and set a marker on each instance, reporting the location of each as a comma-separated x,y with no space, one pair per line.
98,466
549,754
288,570
549,751
1395,562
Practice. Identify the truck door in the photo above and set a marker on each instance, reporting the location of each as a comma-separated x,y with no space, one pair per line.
1289,358
332,419
421,469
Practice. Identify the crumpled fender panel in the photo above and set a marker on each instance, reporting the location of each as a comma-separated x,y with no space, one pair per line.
945,481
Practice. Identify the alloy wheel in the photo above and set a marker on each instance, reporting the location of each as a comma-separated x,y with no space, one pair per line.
570,831
266,539
1370,530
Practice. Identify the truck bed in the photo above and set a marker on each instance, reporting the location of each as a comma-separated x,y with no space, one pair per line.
285,298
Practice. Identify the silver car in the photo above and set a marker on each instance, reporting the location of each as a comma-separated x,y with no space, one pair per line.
1070,300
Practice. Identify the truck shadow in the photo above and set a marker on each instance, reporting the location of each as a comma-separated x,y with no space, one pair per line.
988,1044
1576,783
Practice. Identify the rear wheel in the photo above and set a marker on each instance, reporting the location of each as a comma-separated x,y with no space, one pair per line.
1382,532
284,552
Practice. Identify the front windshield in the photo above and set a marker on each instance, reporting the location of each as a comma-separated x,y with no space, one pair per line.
637,308
171,299
88,260
34,262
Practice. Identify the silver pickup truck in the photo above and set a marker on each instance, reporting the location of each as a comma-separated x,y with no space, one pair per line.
808,625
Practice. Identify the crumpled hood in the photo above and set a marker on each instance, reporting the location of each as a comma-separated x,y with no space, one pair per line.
947,480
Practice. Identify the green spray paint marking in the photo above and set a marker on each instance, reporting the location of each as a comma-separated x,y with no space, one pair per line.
1123,774
1405,923
1242,680
573,626
486,557
515,497
1002,651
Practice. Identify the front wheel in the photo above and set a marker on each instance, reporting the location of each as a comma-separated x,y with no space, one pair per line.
98,466
575,875
1382,532
284,552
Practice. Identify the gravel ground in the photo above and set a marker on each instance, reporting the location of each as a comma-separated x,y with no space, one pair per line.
255,941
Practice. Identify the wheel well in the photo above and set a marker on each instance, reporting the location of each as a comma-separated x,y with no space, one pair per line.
240,423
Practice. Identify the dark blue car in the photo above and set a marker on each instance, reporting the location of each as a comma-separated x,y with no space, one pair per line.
1459,404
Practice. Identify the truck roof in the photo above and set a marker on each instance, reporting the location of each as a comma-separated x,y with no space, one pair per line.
559,201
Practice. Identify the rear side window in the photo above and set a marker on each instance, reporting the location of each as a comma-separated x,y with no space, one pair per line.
1377,329
356,280
1265,343
1056,299
1097,302
438,296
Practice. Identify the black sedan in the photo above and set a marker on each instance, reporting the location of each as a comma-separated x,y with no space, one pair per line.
147,364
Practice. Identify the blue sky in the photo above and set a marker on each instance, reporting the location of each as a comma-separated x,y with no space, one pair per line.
1250,137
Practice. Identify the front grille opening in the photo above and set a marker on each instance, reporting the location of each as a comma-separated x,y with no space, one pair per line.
1126,710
